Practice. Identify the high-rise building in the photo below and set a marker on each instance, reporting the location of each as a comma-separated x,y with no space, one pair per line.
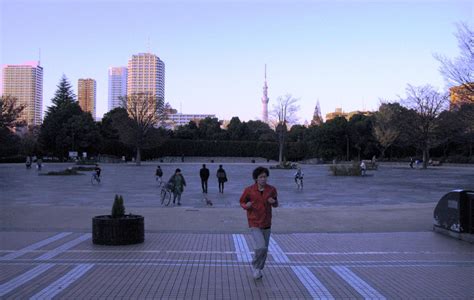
265,99
25,83
87,95
117,86
146,75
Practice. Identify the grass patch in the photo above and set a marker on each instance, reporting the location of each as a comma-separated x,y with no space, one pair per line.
67,172
83,169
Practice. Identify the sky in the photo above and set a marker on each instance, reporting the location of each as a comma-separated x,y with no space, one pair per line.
347,54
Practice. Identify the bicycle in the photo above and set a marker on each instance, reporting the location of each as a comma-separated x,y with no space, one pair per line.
165,194
95,179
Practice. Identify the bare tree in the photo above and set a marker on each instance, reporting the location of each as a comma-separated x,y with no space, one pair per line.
460,70
428,105
145,111
10,113
284,114
386,129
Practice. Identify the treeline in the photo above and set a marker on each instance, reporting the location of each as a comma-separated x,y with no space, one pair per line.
393,132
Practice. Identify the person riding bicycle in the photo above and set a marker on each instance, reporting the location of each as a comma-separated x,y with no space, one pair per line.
299,178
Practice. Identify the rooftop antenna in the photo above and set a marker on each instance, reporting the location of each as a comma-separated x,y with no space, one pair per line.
180,107
148,47
39,56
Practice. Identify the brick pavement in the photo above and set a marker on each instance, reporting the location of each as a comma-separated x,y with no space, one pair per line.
45,265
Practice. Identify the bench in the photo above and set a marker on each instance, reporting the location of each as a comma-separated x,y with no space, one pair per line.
434,163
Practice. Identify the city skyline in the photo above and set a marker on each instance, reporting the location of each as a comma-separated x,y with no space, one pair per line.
347,54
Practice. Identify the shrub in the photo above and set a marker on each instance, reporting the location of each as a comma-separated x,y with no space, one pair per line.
345,169
118,209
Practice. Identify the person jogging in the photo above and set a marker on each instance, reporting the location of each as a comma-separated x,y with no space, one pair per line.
258,200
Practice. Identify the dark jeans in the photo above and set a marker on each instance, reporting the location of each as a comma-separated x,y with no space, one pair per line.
221,186
204,185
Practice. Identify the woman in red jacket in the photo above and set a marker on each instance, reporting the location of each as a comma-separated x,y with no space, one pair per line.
258,200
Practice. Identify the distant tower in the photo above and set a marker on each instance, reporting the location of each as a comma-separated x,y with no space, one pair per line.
317,118
265,99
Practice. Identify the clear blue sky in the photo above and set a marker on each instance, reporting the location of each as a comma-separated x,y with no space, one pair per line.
347,54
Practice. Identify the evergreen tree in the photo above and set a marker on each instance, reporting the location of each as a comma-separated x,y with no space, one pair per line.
64,95
64,107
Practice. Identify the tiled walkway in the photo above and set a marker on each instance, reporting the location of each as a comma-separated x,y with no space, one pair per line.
41,265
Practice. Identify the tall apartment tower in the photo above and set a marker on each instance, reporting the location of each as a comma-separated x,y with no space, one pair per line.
146,74
265,99
87,95
117,86
25,83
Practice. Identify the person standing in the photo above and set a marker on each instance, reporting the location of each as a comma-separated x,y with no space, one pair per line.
258,200
221,178
204,174
178,183
159,174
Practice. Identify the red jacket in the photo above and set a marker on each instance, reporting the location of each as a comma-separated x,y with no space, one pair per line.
260,213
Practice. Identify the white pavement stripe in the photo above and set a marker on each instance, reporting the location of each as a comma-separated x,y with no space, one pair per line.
62,248
277,253
23,278
316,289
362,287
242,248
62,283
35,246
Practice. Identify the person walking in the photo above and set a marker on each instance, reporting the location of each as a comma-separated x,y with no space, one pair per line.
258,200
159,174
178,183
363,168
204,174
28,162
39,164
221,178
299,178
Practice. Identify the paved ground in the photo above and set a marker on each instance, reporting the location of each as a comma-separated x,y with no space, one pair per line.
216,266
343,238
389,185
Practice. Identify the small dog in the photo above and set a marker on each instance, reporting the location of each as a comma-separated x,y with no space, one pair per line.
208,202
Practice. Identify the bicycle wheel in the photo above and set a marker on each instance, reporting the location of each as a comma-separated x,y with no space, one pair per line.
93,181
162,196
165,197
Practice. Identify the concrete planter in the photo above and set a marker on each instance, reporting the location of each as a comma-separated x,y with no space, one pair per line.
126,230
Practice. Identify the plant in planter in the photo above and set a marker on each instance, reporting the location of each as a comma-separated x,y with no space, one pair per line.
118,228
